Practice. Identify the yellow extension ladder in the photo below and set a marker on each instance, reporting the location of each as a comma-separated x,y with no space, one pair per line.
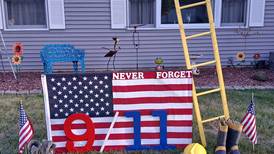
217,61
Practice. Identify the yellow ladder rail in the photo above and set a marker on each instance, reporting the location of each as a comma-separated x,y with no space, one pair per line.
216,61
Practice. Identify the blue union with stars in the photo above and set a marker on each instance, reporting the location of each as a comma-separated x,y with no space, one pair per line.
90,94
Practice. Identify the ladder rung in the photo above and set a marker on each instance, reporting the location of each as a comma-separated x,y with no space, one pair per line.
203,64
208,92
193,5
197,35
213,119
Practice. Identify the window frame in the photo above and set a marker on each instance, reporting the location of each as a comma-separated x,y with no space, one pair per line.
27,27
235,25
217,10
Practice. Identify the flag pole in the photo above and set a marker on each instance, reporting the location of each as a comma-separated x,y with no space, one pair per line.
252,99
109,131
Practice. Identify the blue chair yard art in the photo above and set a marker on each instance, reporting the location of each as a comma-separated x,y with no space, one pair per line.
53,53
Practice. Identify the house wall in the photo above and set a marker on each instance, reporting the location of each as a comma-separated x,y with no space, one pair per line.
88,26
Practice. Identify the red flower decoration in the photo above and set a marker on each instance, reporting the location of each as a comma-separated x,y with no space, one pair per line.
18,49
257,56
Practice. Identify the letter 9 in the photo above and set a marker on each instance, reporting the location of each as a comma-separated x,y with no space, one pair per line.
88,136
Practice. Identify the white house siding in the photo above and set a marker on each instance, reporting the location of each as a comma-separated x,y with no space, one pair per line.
88,26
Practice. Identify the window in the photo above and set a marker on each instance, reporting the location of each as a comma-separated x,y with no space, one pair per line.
234,12
162,13
142,12
25,14
190,16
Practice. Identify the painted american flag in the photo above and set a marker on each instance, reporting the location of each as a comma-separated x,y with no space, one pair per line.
100,95
26,131
249,123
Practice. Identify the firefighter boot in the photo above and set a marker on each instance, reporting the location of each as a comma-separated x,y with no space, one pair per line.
221,138
233,137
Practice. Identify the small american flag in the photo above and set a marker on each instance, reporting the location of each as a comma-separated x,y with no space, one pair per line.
25,129
249,123
100,95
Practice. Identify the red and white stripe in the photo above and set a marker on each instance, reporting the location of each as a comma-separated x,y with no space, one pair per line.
144,95
25,135
249,127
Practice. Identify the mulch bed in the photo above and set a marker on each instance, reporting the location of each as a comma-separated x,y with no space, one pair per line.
234,77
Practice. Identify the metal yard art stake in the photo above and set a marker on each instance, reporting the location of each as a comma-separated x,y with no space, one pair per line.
216,61
4,48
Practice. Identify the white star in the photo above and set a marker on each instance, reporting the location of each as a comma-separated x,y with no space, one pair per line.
59,92
107,95
101,82
92,109
66,105
61,110
69,83
84,78
80,83
54,97
70,92
91,100
82,109
76,105
101,91
75,96
107,113
53,88
65,88
60,101
87,113
65,96
63,79
80,92
71,109
107,104
95,77
102,108
74,78
96,87
85,87
90,82
86,96
87,105
55,106
102,99
52,79
66,114
75,87
58,84
106,77
71,101
91,92
96,95
106,86
97,104
81,101
97,113
56,114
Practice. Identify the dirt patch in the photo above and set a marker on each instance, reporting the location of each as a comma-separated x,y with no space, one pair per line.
240,77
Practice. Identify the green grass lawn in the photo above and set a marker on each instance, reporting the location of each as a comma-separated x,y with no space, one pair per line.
210,106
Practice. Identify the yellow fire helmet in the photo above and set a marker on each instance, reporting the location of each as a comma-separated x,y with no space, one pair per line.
194,148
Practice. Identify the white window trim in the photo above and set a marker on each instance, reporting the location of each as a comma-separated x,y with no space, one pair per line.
24,29
217,18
